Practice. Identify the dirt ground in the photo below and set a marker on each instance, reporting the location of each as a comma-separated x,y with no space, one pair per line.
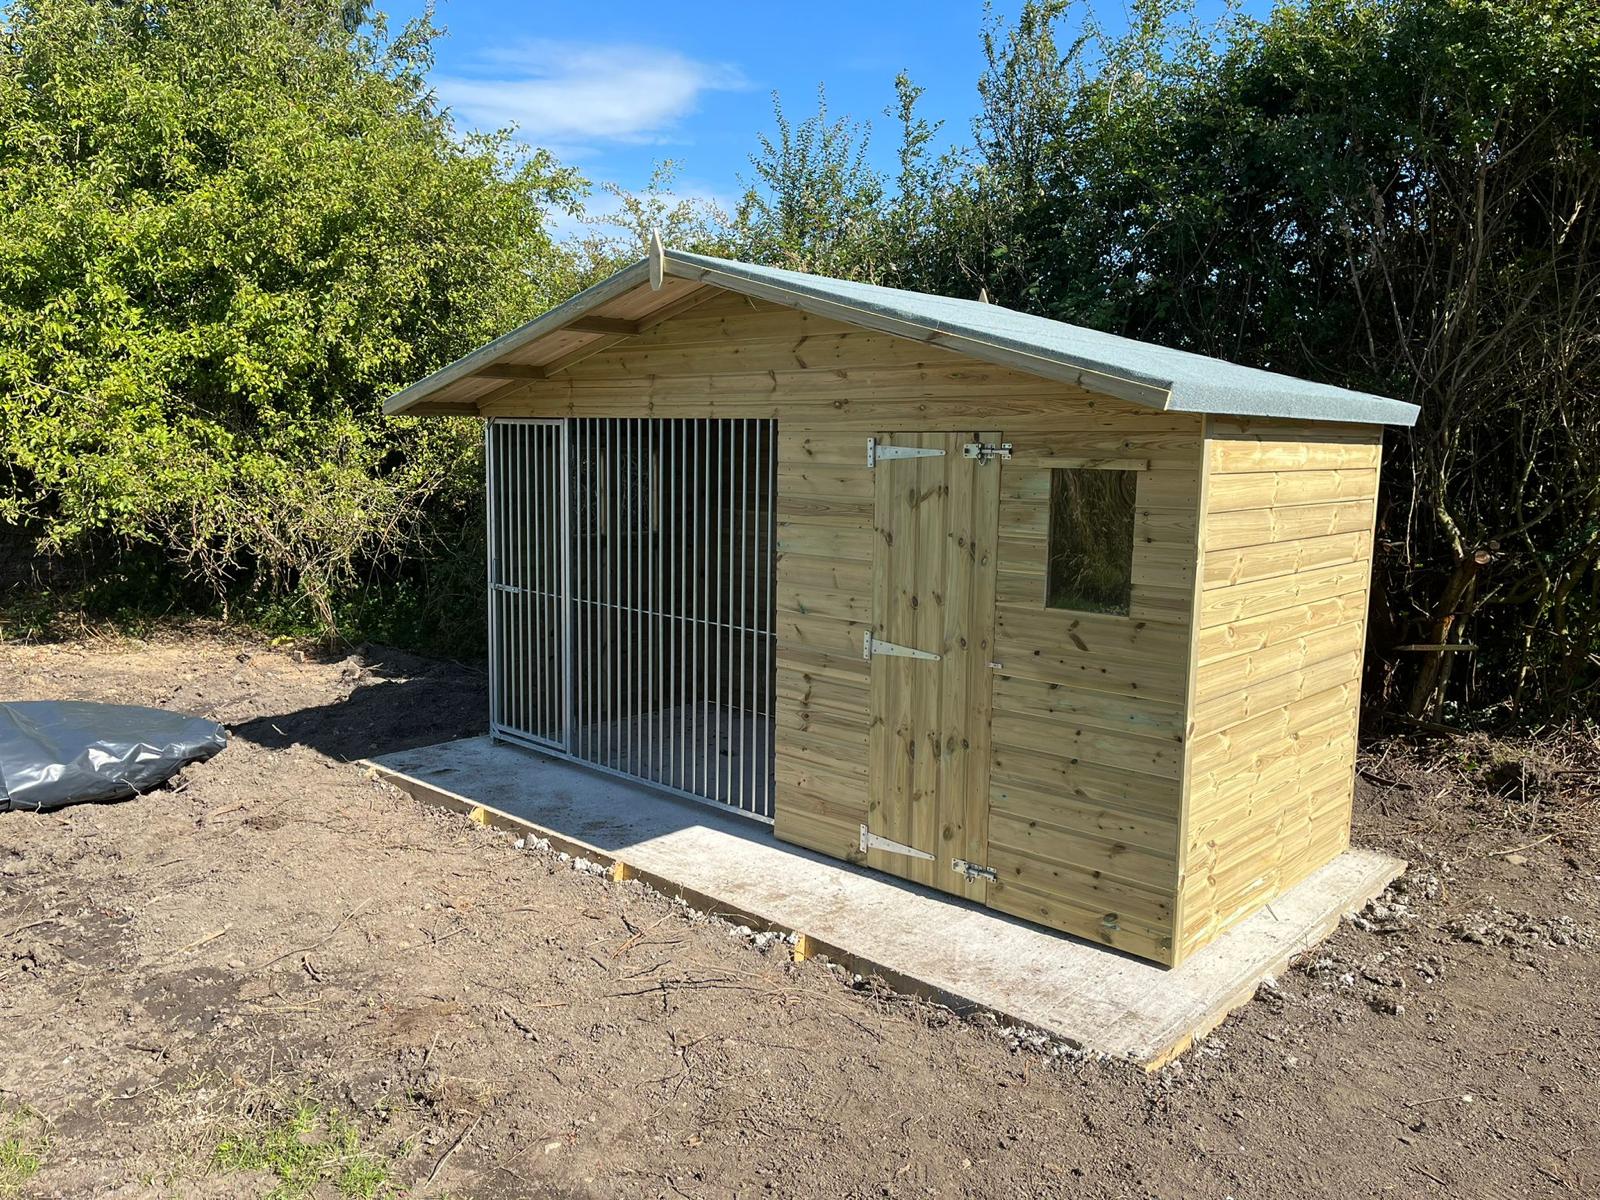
277,932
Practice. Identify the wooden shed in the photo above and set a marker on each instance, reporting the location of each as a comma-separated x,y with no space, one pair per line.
1059,622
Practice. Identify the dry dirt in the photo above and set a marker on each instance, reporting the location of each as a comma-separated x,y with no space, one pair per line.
275,926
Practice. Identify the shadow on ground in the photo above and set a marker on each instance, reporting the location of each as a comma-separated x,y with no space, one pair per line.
396,701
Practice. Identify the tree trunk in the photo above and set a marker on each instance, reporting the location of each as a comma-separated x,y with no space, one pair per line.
1445,615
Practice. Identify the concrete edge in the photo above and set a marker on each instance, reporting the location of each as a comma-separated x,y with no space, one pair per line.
1384,871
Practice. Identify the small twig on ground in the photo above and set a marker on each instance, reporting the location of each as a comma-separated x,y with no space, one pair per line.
213,814
1515,849
317,945
1430,1175
516,1020
28,926
451,1149
198,942
1429,1100
1383,780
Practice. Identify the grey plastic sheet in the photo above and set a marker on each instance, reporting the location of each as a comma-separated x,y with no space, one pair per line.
59,752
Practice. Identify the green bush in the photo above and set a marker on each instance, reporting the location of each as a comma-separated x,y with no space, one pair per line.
228,228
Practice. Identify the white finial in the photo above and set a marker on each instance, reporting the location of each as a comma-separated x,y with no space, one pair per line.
658,260
983,295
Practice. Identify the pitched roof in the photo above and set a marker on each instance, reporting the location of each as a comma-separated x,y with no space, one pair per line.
1162,378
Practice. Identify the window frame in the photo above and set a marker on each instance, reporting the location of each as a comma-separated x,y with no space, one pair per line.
1056,462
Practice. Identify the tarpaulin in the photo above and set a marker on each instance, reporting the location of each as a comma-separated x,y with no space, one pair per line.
56,752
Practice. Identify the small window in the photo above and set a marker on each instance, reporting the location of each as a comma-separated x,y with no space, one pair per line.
1090,567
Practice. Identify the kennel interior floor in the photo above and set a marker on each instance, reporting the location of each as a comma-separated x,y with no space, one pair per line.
919,940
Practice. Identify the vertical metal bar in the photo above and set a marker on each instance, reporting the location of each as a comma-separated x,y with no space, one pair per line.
643,664
746,724
762,618
696,591
597,674
619,737
729,623
635,741
544,542
573,471
772,612
757,468
680,491
592,634
542,443
706,497
658,533
489,499
583,492
624,506
725,601
525,540
630,574
718,579
564,476
508,569
515,501
608,587
536,506
540,599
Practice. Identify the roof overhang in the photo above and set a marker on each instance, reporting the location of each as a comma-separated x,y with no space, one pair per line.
669,282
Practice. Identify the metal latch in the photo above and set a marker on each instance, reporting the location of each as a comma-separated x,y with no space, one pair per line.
877,454
986,451
972,870
873,841
871,645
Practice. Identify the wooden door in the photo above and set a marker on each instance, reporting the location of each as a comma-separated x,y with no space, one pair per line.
936,516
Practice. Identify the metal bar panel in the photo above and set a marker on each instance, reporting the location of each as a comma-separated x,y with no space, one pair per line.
631,598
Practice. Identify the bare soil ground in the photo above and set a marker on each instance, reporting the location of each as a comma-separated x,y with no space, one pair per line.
276,931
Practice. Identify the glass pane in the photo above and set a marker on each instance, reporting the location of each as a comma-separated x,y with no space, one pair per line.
1090,567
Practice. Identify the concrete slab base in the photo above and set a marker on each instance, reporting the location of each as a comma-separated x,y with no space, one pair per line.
920,941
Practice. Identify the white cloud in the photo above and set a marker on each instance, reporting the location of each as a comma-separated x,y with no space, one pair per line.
602,208
569,94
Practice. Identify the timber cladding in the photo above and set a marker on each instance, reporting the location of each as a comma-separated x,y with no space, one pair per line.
1286,559
1143,779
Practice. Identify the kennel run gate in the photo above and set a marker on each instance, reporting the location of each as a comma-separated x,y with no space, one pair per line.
631,599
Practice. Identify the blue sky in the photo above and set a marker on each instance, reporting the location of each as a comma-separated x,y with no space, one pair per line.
612,88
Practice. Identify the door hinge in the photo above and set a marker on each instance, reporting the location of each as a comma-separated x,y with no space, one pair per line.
871,646
877,453
972,870
872,841
986,451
